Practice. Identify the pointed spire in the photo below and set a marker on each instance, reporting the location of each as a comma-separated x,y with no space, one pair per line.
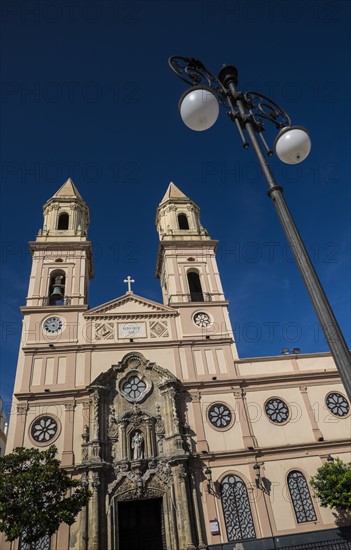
173,193
68,189
66,214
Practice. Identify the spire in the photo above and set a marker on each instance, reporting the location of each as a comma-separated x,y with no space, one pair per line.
66,215
68,189
173,193
178,217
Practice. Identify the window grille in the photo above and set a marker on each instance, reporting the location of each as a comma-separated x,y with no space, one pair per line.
236,509
301,497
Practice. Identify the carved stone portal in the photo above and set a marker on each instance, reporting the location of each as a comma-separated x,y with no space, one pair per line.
134,449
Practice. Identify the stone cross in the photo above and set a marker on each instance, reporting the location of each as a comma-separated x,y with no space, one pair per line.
129,282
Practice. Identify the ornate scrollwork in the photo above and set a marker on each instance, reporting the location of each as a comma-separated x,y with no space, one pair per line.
141,480
262,107
192,71
257,106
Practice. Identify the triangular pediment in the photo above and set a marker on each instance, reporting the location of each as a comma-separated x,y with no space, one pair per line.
130,304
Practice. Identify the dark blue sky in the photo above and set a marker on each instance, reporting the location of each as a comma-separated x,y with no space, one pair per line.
86,92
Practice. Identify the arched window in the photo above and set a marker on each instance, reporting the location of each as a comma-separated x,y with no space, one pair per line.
236,509
42,544
183,221
301,497
63,221
195,289
57,288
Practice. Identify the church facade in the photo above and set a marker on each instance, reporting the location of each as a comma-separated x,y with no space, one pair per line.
184,445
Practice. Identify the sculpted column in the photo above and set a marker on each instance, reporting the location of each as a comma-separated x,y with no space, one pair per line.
182,505
83,519
94,481
194,482
93,543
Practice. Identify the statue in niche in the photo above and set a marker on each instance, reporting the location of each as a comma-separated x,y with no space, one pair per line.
138,446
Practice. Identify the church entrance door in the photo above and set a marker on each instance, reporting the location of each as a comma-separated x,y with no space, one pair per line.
140,525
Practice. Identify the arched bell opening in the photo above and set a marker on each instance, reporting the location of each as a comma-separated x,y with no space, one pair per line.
57,288
195,289
183,221
63,221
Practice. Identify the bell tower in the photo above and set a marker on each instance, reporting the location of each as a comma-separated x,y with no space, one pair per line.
188,271
62,259
186,263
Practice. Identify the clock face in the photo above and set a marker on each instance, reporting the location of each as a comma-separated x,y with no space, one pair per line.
53,324
201,319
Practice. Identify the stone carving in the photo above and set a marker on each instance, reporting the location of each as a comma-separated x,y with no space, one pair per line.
85,455
160,425
158,329
85,434
95,481
137,445
22,408
142,480
94,402
104,331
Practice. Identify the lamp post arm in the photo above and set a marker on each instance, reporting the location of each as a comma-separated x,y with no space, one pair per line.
329,324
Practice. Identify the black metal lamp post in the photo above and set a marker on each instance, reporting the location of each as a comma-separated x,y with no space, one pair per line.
199,109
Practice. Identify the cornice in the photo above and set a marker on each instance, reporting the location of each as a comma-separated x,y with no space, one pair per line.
191,243
52,395
52,309
247,360
154,308
279,452
203,305
131,316
253,383
60,245
114,346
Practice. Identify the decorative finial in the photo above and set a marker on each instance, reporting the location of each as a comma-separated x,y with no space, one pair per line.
129,282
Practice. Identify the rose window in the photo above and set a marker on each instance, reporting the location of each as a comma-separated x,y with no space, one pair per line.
201,319
337,404
134,387
44,429
277,411
219,415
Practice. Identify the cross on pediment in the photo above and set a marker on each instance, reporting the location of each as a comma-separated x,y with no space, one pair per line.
129,282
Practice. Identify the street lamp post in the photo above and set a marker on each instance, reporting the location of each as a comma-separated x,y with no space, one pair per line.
199,109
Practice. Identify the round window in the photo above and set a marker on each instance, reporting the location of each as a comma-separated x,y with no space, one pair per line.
277,410
44,429
134,387
219,415
337,404
202,319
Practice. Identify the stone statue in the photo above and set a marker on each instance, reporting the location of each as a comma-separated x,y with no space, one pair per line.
138,446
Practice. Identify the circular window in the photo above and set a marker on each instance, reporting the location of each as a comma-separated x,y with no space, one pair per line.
277,411
219,415
134,387
44,429
337,404
202,319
